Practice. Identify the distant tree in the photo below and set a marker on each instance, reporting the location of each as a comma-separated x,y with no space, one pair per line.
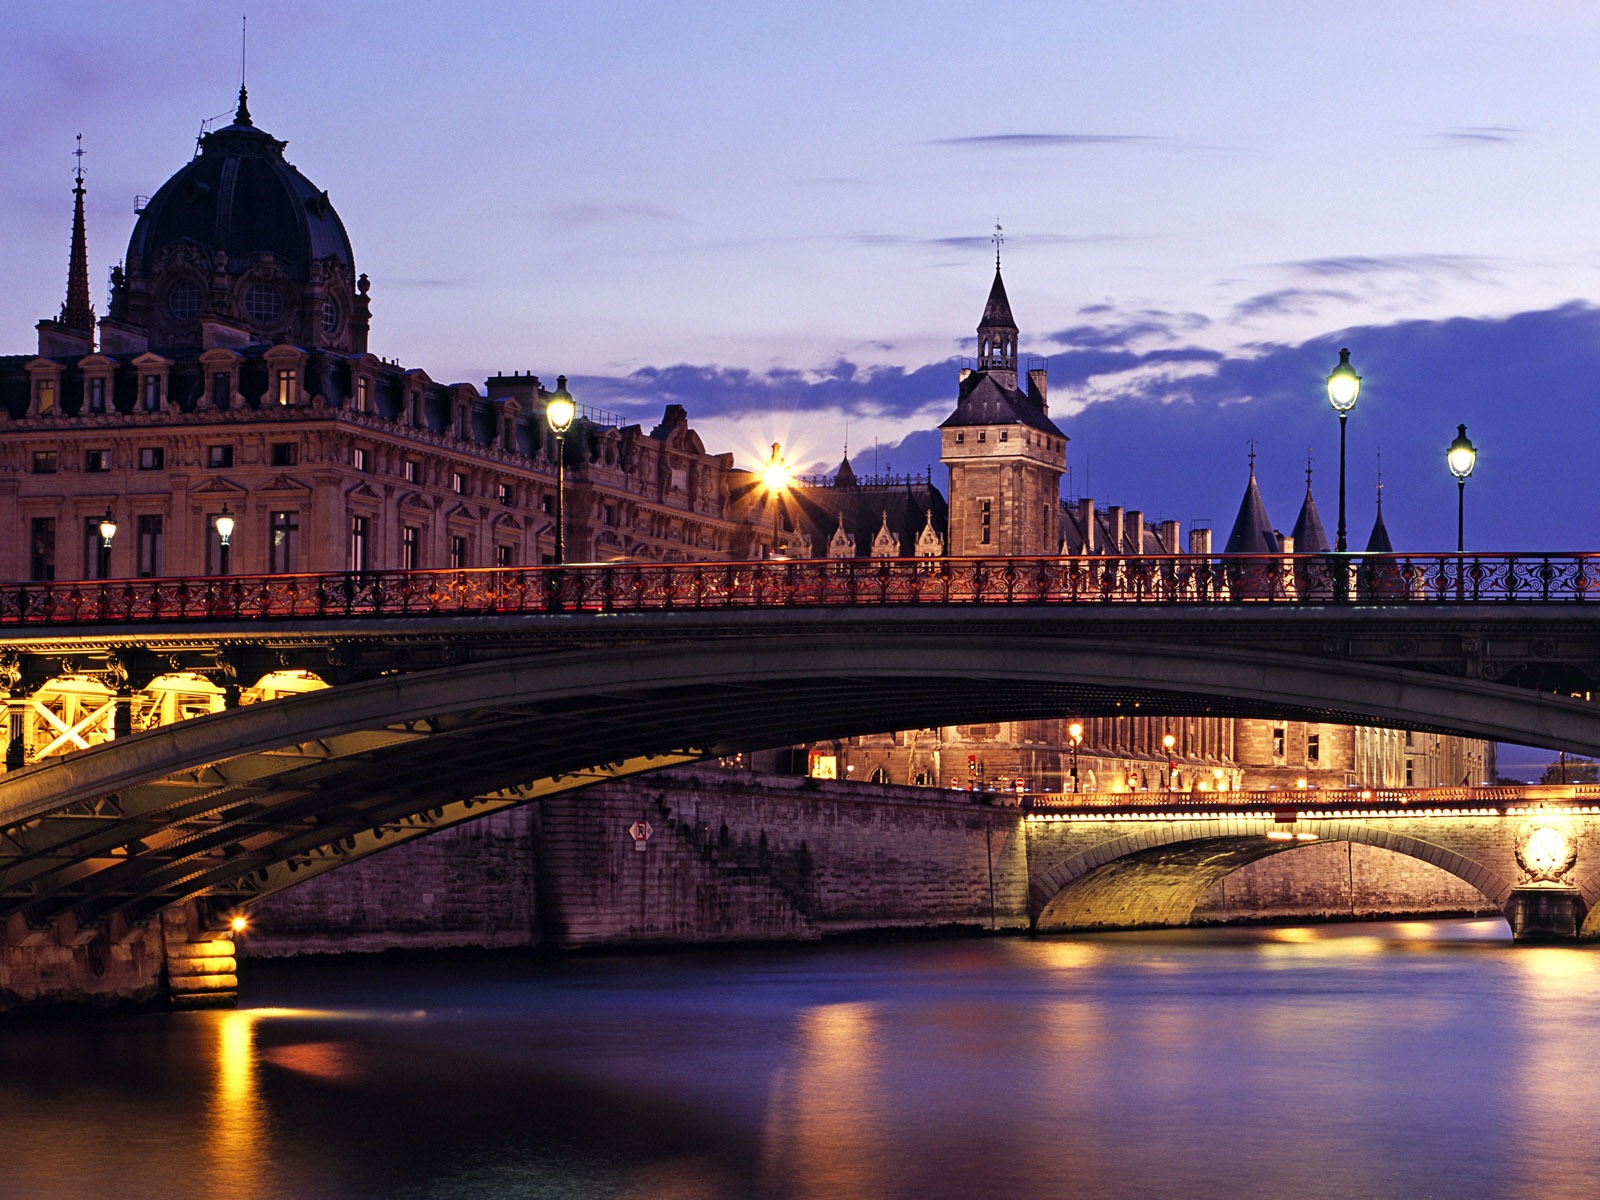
1572,770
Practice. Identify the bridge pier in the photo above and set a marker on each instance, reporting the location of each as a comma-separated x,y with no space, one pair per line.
1545,912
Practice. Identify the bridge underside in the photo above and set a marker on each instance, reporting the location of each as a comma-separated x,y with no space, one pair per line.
235,805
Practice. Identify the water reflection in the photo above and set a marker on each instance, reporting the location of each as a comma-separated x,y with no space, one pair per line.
1345,1061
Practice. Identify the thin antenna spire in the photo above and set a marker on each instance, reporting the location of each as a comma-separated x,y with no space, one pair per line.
244,43
998,239
242,117
1380,481
1252,444
78,154
1308,468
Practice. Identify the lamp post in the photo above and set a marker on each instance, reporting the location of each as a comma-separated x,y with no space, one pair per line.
559,411
224,525
1168,742
1344,385
1075,732
108,530
1462,456
776,479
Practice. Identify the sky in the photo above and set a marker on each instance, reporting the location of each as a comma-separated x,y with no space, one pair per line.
781,218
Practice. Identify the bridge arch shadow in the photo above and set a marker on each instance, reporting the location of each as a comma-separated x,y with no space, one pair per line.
1157,878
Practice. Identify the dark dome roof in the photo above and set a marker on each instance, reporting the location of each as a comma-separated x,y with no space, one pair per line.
240,195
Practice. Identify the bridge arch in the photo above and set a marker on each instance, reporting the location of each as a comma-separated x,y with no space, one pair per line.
1157,876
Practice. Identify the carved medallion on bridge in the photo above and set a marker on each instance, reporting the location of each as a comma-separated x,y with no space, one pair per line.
1545,852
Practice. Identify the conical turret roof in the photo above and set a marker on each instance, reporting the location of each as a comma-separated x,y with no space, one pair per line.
997,312
1252,528
1309,535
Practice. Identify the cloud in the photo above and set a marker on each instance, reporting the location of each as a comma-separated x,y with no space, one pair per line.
1478,135
1455,266
567,217
1289,302
1030,140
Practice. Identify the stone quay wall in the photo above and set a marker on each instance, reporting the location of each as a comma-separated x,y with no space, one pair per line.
738,857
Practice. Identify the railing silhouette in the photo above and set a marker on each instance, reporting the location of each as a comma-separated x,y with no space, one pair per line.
1178,579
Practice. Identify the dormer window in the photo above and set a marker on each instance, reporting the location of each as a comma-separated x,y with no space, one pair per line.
152,393
286,382
97,396
44,397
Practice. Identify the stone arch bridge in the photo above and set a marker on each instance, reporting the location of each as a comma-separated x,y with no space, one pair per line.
455,693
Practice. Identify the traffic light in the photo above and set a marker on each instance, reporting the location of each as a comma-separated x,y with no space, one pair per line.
972,766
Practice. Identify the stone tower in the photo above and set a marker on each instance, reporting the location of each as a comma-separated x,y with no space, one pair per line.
1005,455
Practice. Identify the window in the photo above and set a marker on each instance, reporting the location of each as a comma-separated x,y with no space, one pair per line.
547,505
506,493
263,305
985,522
219,456
151,458
464,424
286,385
44,462
983,435
149,546
44,394
185,300
1004,435
363,395
284,554
458,482
42,548
97,395
1313,747
285,454
960,438
1410,774
330,316
96,555
152,393
410,470
221,389
358,543
502,556
410,548
360,459
458,553
1277,742
96,461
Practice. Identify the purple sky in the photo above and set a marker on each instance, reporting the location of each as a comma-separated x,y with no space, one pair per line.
780,217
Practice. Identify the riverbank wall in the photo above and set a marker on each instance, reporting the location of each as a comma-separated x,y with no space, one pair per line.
739,857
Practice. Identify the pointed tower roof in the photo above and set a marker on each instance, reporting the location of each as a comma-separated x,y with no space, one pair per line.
997,312
845,476
1378,542
1252,528
1309,535
77,313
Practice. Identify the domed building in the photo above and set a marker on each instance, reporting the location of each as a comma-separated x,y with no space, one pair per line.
238,248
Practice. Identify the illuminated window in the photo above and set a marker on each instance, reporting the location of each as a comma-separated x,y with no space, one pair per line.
284,552
359,527
411,470
458,482
410,548
286,377
506,493
44,462
360,459
44,394
151,458
96,461
363,395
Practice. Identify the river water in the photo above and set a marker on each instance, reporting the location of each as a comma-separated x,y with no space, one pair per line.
1416,1059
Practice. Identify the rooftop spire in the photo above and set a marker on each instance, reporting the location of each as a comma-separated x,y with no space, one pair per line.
998,239
1252,529
242,116
1309,535
77,313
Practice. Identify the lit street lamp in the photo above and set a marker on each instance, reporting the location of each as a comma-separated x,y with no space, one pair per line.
1462,456
559,411
775,477
1075,732
1344,385
108,530
224,524
1168,741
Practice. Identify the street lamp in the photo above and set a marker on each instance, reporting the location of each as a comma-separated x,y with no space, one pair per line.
1168,742
1075,732
108,530
775,477
559,411
1344,385
1462,456
224,524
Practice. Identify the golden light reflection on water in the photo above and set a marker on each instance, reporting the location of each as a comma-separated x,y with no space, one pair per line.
822,1136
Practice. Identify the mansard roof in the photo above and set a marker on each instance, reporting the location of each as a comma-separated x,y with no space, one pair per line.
859,503
985,400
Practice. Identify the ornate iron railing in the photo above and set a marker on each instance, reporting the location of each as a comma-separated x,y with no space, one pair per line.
1178,579
1287,803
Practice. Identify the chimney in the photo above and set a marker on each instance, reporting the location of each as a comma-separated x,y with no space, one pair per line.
1114,521
1135,531
1200,542
1091,537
